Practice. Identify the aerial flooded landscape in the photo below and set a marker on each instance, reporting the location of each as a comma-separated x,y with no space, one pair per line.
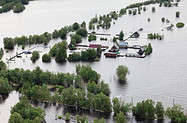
93,61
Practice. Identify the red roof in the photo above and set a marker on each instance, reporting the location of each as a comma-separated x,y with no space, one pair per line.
94,45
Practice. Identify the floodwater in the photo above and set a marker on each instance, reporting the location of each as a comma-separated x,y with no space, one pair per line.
160,76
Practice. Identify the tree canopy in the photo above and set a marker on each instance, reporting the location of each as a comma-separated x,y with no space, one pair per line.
122,72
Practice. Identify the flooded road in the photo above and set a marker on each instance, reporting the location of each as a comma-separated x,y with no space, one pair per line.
161,76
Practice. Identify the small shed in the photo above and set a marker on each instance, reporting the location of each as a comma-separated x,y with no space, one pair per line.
94,45
135,35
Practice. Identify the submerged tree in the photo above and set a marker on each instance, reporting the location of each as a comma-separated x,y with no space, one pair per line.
121,36
5,87
120,118
46,58
35,56
24,112
148,50
122,72
8,43
176,114
159,110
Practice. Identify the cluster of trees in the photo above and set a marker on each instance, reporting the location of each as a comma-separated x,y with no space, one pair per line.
2,65
82,32
59,52
155,36
79,99
97,88
70,93
121,36
176,114
149,110
44,38
36,77
62,33
105,21
120,118
74,57
87,55
120,106
92,37
87,73
8,43
35,56
69,90
136,11
36,93
122,72
163,19
16,5
24,112
5,87
19,7
76,38
148,50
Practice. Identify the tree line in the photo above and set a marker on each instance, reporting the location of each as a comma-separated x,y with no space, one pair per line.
80,91
44,38
16,5
105,21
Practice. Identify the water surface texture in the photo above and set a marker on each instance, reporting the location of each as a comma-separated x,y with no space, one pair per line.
161,76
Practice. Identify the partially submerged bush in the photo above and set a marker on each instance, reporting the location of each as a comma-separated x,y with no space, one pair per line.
180,25
122,72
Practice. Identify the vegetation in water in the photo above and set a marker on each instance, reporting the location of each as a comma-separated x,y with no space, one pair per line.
59,52
180,25
46,58
122,72
8,43
87,73
35,56
16,5
19,7
1,53
120,106
148,50
97,88
121,36
24,112
2,65
149,110
5,87
120,118
70,93
176,114
155,36
92,37
87,55
177,14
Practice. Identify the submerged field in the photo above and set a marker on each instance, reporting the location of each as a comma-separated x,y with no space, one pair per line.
160,76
